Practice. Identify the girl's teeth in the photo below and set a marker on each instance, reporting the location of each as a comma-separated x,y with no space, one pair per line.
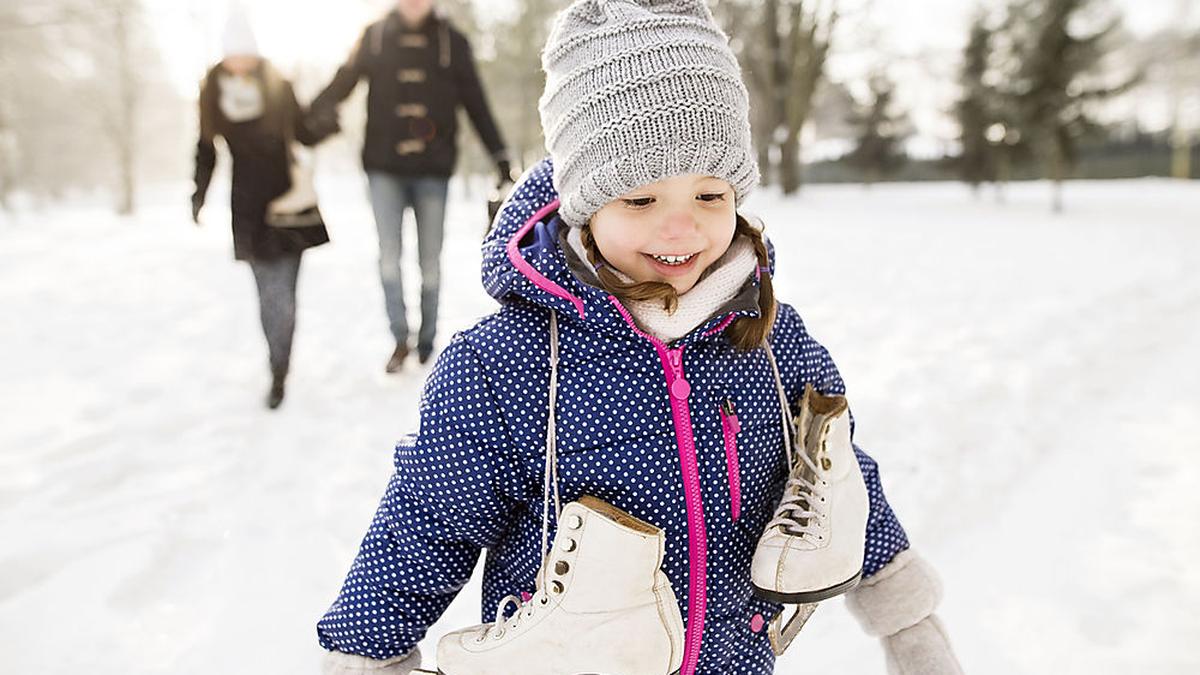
673,259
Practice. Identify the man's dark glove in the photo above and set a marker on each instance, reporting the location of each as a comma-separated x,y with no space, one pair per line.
322,122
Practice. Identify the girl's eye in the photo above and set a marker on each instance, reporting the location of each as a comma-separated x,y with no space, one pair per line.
638,202
712,197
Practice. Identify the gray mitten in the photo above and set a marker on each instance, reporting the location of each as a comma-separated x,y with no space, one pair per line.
337,663
896,604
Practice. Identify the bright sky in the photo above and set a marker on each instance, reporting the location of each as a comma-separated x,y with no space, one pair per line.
920,37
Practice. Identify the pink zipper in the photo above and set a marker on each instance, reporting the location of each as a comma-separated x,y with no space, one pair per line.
730,428
677,385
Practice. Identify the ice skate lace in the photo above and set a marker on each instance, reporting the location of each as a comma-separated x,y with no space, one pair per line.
525,609
540,599
802,511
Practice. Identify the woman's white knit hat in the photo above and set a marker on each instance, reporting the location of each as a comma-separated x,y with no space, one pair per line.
638,91
238,38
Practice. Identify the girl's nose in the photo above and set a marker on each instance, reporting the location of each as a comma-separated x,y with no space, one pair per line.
678,224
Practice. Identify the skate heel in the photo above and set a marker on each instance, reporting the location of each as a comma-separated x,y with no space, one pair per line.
807,597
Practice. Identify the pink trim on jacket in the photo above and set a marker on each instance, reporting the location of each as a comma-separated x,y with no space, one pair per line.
537,278
677,385
721,326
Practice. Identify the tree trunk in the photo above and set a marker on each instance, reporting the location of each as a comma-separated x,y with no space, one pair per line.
125,131
764,160
790,177
1056,167
1181,155
1003,174
6,176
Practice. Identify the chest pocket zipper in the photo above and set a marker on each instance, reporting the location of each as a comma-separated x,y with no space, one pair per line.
730,428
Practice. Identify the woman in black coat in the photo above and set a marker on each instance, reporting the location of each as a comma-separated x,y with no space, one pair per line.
247,102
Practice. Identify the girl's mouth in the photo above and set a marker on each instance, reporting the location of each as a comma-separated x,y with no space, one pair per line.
672,265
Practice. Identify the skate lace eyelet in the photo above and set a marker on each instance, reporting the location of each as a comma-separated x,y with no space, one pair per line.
544,601
498,635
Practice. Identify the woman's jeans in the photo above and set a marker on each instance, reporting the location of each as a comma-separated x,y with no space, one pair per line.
391,195
276,280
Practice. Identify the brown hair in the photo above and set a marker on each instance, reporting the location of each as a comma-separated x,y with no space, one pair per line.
746,333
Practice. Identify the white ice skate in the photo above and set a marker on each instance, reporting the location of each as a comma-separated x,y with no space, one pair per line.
813,548
298,206
603,606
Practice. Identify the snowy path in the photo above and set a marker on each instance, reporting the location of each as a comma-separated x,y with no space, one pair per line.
1029,384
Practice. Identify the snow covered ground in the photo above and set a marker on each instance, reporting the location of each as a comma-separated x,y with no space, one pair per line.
1030,385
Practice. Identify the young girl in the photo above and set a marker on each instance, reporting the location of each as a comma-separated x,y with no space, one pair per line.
629,236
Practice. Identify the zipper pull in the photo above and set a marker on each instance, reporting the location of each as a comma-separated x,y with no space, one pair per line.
731,415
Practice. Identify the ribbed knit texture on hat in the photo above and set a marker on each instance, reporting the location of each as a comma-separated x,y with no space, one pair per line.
638,91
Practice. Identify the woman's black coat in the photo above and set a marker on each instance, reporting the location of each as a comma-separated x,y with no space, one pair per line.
261,165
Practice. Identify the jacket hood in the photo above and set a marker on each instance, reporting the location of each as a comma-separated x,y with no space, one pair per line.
525,257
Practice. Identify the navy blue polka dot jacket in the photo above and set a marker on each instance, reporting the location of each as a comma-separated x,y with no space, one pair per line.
641,424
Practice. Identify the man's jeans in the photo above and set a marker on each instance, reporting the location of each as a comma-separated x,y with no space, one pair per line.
390,196
276,281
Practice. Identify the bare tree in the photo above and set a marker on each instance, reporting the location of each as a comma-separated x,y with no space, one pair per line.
8,141
73,102
784,52
121,118
515,78
1184,70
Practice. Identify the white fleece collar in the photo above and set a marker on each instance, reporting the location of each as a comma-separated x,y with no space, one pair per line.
241,98
724,279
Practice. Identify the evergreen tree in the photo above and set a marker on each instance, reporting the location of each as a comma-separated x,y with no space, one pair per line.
879,151
977,161
1057,78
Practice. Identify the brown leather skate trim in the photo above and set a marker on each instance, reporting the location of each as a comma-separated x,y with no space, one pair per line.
822,404
617,515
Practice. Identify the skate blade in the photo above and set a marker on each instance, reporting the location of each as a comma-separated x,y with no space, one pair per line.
808,597
781,637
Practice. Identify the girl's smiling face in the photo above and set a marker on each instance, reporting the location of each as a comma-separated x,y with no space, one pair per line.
669,231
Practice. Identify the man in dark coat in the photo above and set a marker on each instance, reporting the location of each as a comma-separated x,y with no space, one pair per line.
420,70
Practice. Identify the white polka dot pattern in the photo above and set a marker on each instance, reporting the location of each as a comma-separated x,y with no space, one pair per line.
471,478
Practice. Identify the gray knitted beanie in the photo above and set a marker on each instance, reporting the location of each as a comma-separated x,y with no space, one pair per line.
638,91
